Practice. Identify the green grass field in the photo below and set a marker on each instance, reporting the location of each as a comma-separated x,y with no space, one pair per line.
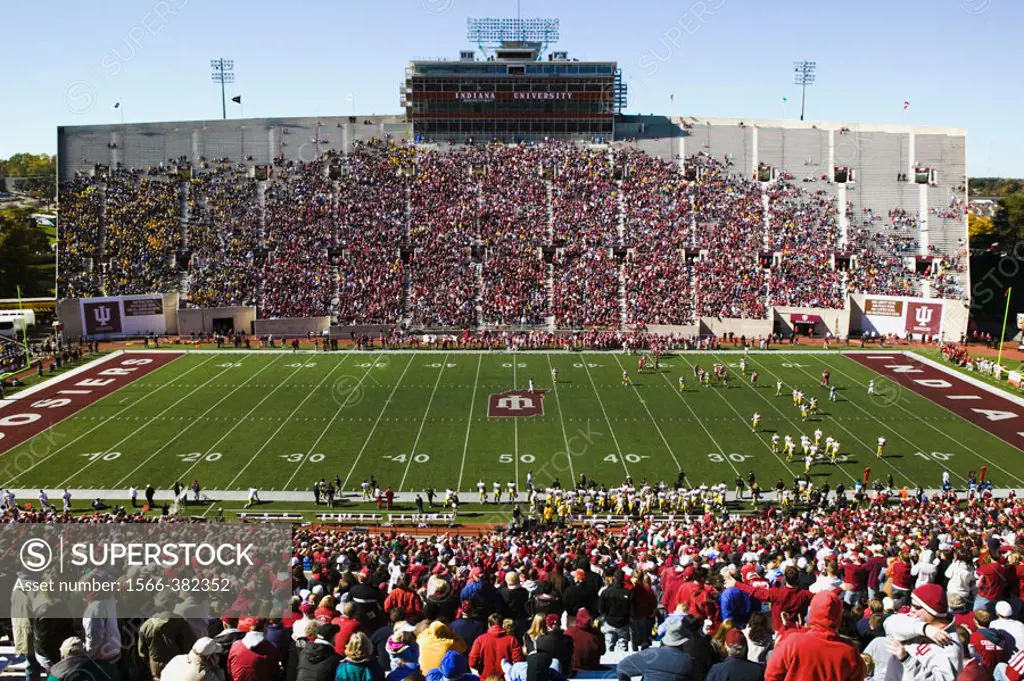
280,421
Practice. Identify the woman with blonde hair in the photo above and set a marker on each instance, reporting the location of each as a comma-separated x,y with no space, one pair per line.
718,640
360,664
537,629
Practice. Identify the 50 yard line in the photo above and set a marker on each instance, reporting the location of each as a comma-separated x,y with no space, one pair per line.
469,423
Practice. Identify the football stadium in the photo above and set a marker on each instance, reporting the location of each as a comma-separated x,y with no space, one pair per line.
512,383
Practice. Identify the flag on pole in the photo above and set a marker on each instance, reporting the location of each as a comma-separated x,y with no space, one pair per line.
237,99
906,105
117,105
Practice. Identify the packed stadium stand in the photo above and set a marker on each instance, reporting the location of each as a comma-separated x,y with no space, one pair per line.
350,219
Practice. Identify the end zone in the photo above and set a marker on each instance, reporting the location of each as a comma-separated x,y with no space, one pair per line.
32,411
986,407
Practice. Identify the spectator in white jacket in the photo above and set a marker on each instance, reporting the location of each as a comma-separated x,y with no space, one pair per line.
1004,621
960,576
925,568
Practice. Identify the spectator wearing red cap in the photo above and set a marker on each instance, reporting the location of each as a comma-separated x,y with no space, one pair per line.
480,588
580,594
587,642
817,653
492,647
736,666
937,654
555,642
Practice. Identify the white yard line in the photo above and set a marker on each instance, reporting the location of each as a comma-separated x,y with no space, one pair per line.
721,450
184,430
653,421
469,423
107,419
283,424
330,423
238,422
607,420
937,430
867,445
565,435
515,421
419,433
376,423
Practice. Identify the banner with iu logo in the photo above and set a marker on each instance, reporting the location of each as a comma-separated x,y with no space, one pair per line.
924,317
102,318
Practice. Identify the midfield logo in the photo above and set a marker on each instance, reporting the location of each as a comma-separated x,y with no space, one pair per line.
516,403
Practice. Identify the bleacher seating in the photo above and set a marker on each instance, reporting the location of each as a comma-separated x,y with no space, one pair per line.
493,235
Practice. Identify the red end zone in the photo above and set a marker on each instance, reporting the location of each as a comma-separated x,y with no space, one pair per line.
28,414
998,415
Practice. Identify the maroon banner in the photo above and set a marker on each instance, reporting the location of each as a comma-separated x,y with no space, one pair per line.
924,317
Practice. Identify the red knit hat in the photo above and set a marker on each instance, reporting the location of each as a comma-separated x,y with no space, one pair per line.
735,637
931,598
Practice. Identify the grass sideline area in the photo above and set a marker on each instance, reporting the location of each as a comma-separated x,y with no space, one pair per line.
281,421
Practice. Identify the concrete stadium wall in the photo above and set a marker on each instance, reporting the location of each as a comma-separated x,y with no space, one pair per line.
143,145
739,327
69,313
200,320
293,326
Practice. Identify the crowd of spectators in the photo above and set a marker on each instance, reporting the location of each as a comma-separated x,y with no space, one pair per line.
81,207
142,233
224,238
488,233
920,587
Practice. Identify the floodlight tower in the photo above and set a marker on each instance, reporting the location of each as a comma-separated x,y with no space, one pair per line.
803,75
492,32
222,73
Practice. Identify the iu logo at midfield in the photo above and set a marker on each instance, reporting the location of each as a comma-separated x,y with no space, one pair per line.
516,403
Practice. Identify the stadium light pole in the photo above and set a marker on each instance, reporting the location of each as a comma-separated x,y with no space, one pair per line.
223,74
803,75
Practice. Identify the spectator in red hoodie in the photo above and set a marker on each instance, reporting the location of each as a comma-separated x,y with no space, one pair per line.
902,581
641,618
817,653
991,583
347,625
403,596
490,648
588,643
787,599
253,657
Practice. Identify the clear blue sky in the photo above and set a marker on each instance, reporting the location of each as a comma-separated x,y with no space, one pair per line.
956,61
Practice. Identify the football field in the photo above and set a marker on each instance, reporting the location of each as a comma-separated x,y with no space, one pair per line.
280,421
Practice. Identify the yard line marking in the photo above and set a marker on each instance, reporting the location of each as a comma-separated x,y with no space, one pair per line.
565,435
469,422
333,419
416,442
700,421
515,421
944,434
239,422
867,445
284,423
366,442
180,432
651,416
611,430
108,418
